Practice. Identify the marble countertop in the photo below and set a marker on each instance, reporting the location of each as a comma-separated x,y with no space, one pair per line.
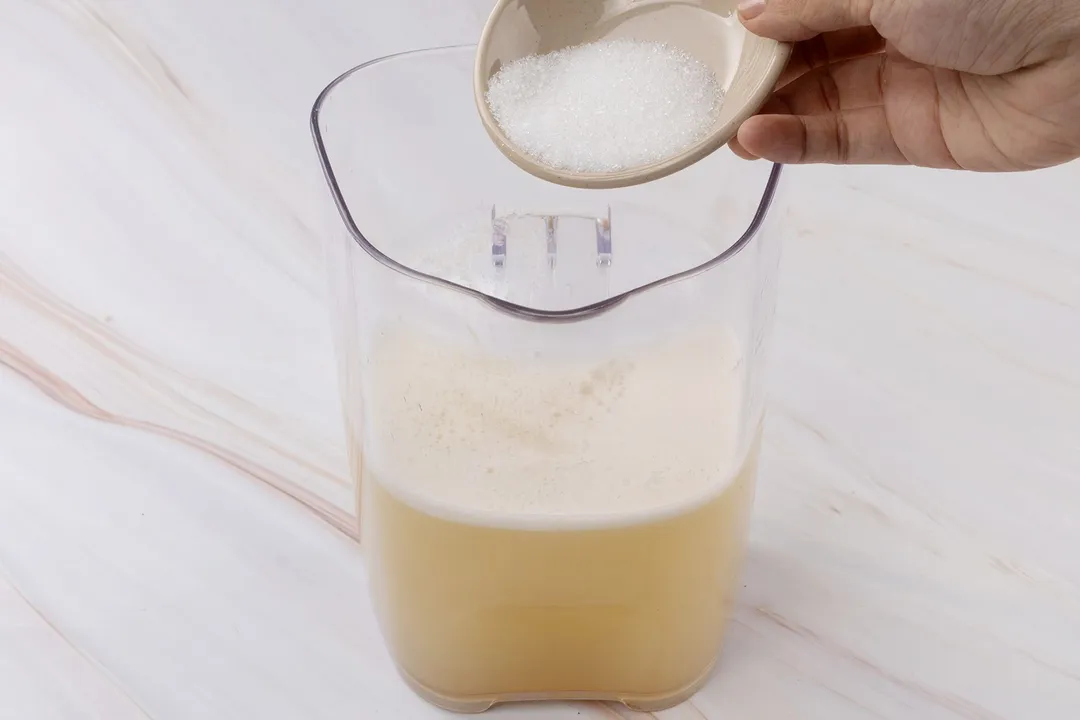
172,475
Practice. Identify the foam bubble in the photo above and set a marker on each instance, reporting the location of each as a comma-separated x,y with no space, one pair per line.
605,106
466,434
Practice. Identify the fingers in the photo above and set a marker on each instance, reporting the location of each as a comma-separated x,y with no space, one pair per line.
795,20
849,85
859,136
830,48
740,151
833,114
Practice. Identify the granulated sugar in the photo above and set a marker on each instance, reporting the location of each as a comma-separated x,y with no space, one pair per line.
605,106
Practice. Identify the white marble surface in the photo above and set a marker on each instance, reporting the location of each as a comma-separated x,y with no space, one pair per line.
167,394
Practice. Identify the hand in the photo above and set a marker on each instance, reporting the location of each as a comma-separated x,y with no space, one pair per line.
971,84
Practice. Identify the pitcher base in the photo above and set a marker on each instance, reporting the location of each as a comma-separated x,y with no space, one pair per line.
472,705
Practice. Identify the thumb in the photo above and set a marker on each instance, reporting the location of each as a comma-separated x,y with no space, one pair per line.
795,20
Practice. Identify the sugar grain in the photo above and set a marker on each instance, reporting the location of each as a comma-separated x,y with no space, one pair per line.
605,106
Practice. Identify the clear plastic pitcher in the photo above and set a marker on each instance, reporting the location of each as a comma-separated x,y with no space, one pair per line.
553,397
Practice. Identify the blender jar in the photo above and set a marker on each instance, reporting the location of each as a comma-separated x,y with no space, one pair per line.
553,397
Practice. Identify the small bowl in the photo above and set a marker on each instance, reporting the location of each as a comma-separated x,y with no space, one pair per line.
746,66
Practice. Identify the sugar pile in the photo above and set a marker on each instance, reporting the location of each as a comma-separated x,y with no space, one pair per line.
605,106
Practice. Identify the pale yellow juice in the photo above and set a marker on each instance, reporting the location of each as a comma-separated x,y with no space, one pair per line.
542,531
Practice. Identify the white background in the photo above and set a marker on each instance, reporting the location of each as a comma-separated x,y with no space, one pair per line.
167,389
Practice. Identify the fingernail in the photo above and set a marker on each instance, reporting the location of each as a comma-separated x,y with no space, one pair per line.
750,9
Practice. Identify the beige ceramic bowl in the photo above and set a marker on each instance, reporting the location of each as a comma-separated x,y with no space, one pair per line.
746,66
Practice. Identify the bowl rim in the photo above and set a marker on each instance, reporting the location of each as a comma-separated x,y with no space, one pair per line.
716,139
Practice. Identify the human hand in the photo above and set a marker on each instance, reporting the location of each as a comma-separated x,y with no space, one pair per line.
989,85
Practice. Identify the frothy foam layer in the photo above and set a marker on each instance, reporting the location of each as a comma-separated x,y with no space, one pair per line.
509,441
605,106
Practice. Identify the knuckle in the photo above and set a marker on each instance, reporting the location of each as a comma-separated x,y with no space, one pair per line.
842,139
830,92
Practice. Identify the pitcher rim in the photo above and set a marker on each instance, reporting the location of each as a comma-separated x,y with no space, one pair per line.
521,311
